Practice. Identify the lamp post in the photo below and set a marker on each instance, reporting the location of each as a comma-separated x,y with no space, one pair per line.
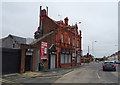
93,49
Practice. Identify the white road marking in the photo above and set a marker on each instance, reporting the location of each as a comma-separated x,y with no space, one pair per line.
98,75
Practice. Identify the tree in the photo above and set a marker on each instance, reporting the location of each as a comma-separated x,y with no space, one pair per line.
104,58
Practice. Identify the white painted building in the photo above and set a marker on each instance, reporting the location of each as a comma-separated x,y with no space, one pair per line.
113,56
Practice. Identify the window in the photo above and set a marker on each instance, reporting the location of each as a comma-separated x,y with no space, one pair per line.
13,45
62,59
62,38
68,40
65,58
69,58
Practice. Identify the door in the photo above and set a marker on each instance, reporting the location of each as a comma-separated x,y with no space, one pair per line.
28,63
78,59
52,61
11,59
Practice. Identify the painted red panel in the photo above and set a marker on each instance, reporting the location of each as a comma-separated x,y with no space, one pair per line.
44,50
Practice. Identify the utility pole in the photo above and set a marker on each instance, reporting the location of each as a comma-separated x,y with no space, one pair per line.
93,49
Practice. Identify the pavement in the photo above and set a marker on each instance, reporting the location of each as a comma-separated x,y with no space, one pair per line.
47,73
39,77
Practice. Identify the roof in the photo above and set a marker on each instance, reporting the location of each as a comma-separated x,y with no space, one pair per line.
53,21
19,40
29,40
42,37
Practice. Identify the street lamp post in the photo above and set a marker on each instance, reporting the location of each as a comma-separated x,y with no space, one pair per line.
93,49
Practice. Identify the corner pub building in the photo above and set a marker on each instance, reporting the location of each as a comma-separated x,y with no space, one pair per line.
63,45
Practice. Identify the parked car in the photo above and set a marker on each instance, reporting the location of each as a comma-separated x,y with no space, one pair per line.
117,62
109,65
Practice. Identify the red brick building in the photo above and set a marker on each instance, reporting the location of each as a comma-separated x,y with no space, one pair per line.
63,45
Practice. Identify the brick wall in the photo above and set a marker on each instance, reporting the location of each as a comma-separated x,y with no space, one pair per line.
49,40
48,25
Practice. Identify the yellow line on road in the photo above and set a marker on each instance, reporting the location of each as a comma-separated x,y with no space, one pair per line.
50,76
8,81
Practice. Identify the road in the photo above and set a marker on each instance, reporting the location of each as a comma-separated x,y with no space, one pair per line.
90,73
86,73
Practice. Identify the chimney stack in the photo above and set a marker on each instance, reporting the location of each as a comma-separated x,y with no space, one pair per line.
66,21
44,12
47,10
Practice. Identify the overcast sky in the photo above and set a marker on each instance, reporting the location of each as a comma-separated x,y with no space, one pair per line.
99,21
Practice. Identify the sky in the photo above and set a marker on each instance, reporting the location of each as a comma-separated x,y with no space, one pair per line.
99,22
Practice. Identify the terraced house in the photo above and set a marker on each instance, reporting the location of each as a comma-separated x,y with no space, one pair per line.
62,45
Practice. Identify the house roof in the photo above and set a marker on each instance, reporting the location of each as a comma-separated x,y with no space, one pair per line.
16,39
42,37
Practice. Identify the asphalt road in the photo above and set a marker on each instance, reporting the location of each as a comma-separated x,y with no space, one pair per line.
89,73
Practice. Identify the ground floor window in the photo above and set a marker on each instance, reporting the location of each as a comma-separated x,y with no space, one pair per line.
62,59
69,59
65,58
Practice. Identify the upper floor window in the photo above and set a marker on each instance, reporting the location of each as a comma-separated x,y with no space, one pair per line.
62,38
68,40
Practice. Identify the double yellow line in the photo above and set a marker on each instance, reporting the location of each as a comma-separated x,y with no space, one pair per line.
7,81
49,76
